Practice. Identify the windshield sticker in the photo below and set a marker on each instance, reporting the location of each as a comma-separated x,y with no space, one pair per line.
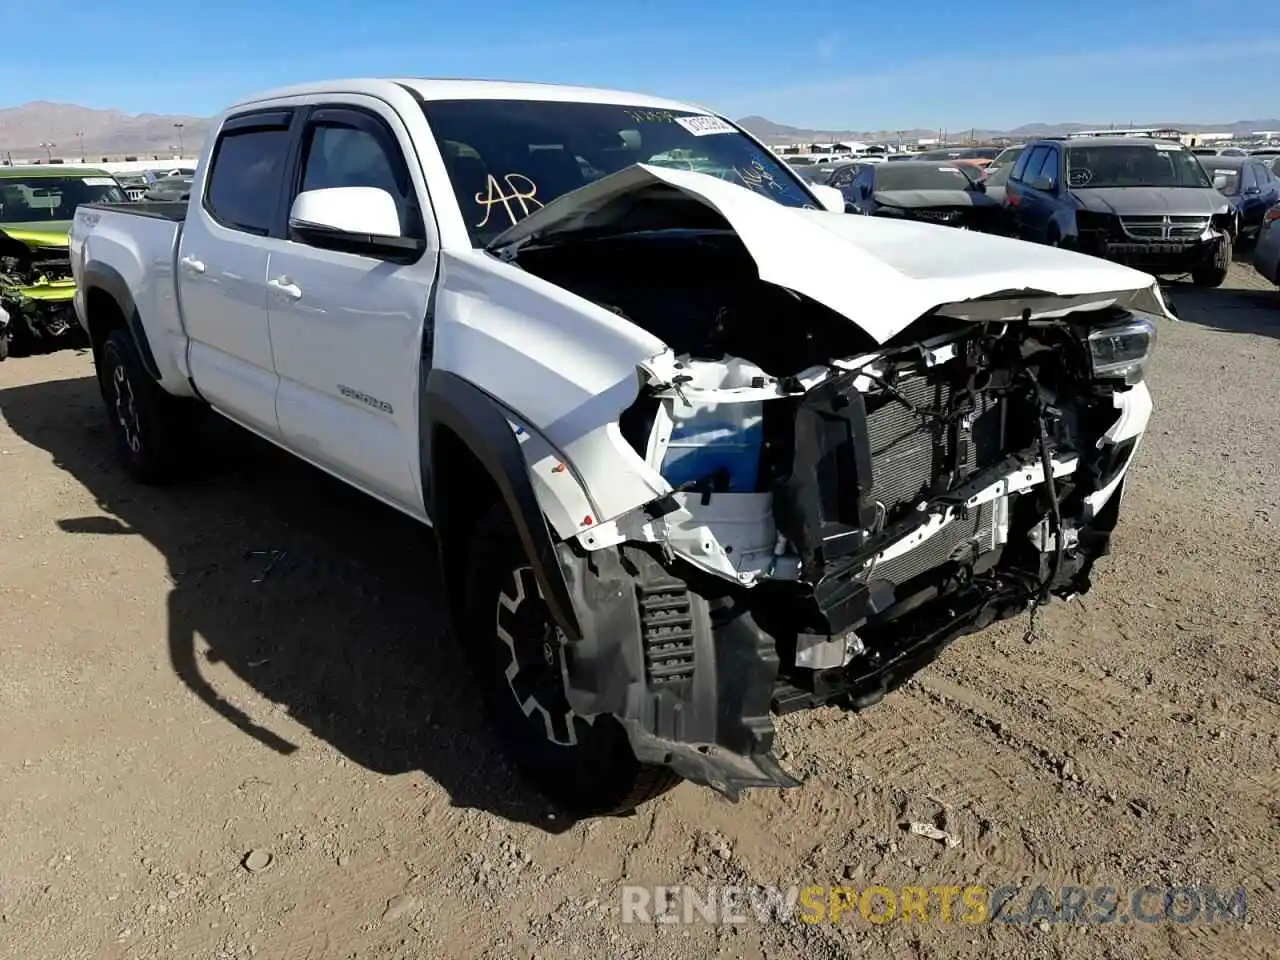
513,192
701,126
650,116
757,176
98,181
1167,146
1079,176
948,169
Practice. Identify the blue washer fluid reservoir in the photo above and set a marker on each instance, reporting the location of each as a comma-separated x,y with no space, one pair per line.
714,436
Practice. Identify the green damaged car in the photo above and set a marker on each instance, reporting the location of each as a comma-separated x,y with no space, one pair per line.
37,205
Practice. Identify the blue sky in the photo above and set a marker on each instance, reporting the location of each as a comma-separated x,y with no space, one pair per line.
852,65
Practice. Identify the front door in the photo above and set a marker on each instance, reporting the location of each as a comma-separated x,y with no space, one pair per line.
347,329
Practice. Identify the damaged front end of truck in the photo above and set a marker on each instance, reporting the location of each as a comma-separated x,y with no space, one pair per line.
856,457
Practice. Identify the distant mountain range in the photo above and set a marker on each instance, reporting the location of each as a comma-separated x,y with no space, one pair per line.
772,132
111,133
103,133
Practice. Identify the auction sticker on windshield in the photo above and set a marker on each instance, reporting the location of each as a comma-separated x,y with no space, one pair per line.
98,181
701,126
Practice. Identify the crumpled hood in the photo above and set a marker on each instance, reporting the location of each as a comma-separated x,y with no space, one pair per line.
880,273
1151,201
52,234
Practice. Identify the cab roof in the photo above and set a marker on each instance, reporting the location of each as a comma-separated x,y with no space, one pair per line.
462,89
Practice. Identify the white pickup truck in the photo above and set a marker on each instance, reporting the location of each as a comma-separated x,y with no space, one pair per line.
698,448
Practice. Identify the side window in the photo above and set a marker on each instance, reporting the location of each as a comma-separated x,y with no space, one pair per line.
1246,177
342,148
842,178
1050,167
866,181
1022,170
245,176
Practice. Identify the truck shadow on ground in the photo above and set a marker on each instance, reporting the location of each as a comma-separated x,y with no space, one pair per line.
324,601
1231,310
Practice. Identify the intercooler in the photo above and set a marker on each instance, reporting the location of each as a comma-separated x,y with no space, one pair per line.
912,454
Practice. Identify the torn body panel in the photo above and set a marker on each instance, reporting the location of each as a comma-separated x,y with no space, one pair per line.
790,503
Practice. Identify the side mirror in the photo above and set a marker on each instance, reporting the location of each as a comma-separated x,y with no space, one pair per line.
1042,182
360,220
832,200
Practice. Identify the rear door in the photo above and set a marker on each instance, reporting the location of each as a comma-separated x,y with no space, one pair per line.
348,329
222,267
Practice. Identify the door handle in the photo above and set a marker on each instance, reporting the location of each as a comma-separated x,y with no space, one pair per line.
192,264
285,287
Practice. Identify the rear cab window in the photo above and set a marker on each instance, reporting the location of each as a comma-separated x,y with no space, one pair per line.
246,171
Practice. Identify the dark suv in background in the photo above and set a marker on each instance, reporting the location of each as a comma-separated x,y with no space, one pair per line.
1140,201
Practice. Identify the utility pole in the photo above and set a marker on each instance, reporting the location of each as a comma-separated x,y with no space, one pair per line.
80,136
178,126
48,149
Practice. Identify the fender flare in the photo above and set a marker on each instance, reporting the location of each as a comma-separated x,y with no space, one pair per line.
100,276
449,401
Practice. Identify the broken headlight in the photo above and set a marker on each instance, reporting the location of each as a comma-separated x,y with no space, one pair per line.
1118,351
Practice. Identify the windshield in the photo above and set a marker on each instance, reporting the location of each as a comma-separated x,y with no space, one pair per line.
1226,179
920,176
1134,165
1007,156
31,200
818,174
507,158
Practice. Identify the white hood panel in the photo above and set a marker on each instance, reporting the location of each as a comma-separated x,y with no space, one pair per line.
882,274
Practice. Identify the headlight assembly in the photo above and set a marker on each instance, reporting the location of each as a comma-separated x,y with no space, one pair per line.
1118,351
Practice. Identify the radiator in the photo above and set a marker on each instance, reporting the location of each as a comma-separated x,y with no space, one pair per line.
909,453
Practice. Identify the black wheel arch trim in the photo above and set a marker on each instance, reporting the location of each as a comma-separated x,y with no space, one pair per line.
102,277
451,402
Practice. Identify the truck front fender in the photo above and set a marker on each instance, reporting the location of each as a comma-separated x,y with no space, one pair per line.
457,417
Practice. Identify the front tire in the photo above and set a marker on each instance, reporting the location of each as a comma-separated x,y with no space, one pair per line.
1214,273
151,429
519,657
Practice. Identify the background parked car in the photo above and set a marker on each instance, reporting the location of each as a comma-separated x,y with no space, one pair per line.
169,188
1140,201
1249,187
1266,255
822,173
933,192
1004,159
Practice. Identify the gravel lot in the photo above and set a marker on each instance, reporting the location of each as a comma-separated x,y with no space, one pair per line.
174,696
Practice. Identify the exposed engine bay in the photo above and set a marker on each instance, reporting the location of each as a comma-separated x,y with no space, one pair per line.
36,292
841,509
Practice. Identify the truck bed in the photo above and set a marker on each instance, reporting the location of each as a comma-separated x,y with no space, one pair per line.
175,210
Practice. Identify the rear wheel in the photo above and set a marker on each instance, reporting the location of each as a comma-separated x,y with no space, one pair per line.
152,429
520,660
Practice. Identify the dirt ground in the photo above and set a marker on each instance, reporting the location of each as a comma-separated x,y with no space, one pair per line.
258,663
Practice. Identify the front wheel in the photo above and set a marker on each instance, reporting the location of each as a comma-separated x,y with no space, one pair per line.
1214,273
520,660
